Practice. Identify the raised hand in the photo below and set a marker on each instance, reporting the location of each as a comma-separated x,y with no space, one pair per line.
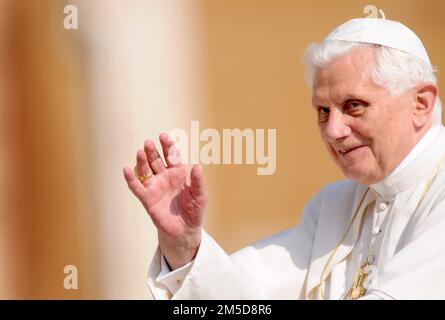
174,201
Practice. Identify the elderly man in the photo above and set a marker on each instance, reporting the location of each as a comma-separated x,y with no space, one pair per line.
376,235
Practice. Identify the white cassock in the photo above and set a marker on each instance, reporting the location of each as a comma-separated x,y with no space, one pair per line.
399,227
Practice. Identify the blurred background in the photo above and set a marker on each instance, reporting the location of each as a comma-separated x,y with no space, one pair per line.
76,105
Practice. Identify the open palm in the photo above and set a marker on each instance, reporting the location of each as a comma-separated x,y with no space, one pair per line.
174,202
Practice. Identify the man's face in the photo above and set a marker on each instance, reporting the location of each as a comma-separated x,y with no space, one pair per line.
366,131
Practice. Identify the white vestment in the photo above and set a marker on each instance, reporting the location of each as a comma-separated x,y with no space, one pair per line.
401,223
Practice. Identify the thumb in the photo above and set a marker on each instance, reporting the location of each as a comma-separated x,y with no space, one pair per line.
198,186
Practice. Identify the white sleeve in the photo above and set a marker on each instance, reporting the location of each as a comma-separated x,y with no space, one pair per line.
172,279
273,268
212,275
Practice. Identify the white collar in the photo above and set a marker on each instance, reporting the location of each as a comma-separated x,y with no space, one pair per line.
381,187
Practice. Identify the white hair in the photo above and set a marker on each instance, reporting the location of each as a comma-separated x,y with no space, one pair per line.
394,69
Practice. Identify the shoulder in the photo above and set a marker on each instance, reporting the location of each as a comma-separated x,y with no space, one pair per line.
342,191
340,188
331,197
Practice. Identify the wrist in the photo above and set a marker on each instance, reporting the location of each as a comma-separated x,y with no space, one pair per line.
180,251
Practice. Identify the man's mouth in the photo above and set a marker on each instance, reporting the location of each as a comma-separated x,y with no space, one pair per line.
346,151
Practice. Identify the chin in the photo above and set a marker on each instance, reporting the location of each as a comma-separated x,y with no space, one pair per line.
360,174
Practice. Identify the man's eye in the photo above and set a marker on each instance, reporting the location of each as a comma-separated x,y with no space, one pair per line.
323,114
355,104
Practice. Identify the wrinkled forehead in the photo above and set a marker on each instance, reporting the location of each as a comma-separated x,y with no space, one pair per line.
346,76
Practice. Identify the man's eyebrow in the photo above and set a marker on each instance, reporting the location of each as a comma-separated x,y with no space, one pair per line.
315,104
355,96
356,99
317,99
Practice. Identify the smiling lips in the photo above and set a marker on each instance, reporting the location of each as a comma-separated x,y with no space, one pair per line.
345,151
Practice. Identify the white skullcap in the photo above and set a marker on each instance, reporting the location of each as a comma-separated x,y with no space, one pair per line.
383,32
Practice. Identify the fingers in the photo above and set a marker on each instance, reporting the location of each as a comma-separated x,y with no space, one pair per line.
171,154
197,183
142,168
153,158
133,183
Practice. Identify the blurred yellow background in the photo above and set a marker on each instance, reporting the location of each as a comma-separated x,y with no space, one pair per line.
76,105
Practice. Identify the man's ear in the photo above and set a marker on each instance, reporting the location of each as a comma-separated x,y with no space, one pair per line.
425,95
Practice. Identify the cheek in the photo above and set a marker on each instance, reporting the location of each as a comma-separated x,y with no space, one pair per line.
387,137
381,144
372,132
392,121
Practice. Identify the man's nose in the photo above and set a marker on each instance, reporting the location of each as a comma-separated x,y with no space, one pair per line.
336,127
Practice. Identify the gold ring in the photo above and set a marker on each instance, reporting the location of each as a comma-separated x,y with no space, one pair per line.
143,178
